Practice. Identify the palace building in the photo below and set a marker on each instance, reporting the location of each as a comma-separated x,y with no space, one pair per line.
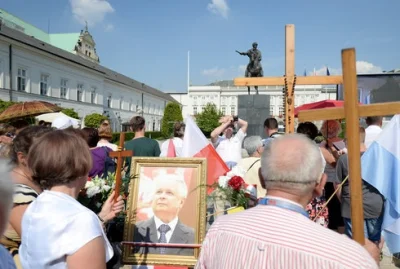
225,96
65,69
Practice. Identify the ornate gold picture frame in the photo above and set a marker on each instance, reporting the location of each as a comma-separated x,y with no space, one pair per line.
166,205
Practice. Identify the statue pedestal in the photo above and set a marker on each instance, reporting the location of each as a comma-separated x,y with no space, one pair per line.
254,109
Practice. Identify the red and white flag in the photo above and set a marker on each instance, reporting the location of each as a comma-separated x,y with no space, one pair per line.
195,144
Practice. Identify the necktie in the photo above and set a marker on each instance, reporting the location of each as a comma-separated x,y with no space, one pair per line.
163,229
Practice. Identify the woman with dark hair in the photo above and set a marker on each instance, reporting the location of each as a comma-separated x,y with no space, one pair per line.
57,231
173,147
99,154
311,131
27,190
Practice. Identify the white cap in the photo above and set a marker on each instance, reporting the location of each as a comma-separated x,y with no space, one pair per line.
62,123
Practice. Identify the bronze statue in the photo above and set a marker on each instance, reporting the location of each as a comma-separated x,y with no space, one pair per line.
254,68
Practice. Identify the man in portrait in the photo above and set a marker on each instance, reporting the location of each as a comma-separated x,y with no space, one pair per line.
169,194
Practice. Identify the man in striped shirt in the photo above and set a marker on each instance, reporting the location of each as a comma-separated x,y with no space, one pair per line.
278,233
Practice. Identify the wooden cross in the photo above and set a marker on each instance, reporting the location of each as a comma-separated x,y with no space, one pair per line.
352,111
120,154
289,80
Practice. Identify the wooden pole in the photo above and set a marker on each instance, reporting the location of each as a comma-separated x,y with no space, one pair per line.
353,138
120,160
289,72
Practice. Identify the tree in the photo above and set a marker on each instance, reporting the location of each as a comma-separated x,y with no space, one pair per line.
93,120
208,119
5,104
172,114
70,112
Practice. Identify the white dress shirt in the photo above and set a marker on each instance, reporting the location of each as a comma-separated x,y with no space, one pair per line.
371,134
230,150
171,225
55,226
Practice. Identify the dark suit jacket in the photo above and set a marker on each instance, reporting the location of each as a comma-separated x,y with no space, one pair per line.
145,231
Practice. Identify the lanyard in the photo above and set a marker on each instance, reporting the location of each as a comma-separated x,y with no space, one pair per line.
284,205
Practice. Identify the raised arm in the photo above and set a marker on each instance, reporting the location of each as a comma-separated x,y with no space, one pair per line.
243,125
225,122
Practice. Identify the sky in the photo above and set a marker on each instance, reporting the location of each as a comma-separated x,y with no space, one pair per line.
149,40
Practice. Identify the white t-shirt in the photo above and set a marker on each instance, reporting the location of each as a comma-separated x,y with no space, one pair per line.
371,134
55,226
230,150
178,143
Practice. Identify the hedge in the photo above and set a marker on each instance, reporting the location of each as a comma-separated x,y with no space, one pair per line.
130,135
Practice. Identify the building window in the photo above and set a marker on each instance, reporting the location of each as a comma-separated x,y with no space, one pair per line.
195,110
271,111
109,98
21,83
233,100
281,110
131,106
223,110
63,88
195,100
93,95
79,93
43,84
223,100
137,106
121,103
233,110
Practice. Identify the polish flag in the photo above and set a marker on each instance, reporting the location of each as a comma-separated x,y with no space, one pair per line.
195,144
171,149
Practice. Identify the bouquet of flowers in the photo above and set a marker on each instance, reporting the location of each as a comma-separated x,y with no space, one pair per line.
98,189
96,192
233,189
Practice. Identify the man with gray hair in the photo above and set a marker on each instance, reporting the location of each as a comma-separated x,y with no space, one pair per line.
170,192
6,203
281,233
254,147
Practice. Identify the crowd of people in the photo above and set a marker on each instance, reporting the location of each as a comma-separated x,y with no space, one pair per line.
296,174
43,225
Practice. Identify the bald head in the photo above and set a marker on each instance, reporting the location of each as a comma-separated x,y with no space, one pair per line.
292,163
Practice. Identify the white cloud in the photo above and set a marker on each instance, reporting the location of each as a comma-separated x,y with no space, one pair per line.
214,72
219,7
109,27
367,68
92,11
362,67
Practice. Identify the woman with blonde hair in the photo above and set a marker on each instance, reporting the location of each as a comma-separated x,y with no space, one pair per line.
105,135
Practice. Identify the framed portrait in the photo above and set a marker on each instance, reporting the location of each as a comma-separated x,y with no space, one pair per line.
166,206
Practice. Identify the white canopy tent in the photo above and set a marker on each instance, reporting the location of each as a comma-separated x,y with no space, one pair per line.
50,117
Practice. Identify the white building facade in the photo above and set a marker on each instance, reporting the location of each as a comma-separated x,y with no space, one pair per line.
225,96
31,69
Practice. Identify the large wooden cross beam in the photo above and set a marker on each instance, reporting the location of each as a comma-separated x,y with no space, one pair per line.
289,80
352,112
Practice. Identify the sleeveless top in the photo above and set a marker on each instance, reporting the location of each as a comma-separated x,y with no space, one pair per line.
23,195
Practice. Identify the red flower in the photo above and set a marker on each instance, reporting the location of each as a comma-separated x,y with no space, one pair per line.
236,183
